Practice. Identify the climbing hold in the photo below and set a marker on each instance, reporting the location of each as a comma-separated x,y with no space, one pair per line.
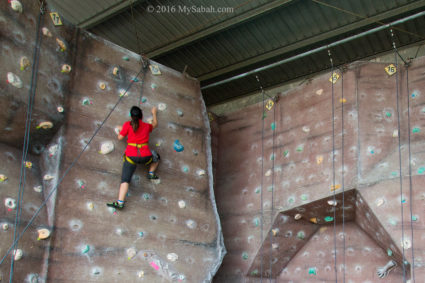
286,153
388,114
43,234
244,255
146,196
342,100
45,125
180,113
134,80
60,109
421,170
106,147
144,99
273,126
313,220
131,252
395,133
269,104
24,63
14,80
191,224
61,44
87,101
10,203
332,202
319,91
306,129
389,252
3,178
17,254
172,257
66,68
275,231
304,197
122,92
329,218
297,216
414,218
254,272
335,187
115,71
155,70
268,173
319,159
416,130
16,6
46,32
154,265
102,85
125,58
334,78
275,246
380,202
178,146
53,149
390,69
312,270
5,226
154,86
300,148
162,106
256,221
48,177
414,94
38,189
406,244
28,164
85,250
200,172
141,274
90,206
182,204
301,235
195,152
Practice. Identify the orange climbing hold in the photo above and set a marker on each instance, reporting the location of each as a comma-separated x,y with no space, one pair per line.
61,44
313,220
335,187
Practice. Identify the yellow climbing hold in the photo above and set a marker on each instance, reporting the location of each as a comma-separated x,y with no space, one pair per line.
335,187
319,159
269,104
43,234
28,164
342,100
61,44
319,91
391,69
45,125
3,178
115,71
102,85
313,220
275,231
66,68
131,252
334,78
24,63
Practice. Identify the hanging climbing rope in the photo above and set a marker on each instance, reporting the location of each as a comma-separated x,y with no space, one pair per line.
25,147
342,173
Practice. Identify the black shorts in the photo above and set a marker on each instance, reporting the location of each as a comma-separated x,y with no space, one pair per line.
129,168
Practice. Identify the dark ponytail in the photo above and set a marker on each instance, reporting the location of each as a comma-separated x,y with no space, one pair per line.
136,115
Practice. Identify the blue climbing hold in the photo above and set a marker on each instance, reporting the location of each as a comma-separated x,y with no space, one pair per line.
178,146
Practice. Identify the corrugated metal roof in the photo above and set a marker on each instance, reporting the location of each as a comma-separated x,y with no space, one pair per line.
216,46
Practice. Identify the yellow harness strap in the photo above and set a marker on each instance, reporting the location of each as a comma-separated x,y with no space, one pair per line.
138,145
126,158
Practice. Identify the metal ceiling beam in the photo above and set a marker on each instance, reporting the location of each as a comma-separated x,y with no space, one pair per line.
106,13
248,15
314,39
322,48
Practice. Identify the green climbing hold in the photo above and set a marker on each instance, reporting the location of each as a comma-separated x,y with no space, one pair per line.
414,218
272,157
141,234
254,272
421,170
146,196
185,169
393,222
388,114
286,153
389,252
257,190
291,200
304,197
329,218
416,130
256,221
86,249
301,235
273,126
144,99
244,255
394,173
300,148
312,270
125,58
264,115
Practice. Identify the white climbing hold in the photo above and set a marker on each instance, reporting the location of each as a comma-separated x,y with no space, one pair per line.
53,149
141,274
16,6
182,204
122,92
18,254
43,234
45,125
46,32
38,189
306,129
395,133
48,177
3,178
191,224
61,44
275,246
200,172
90,206
131,252
162,106
297,216
172,257
180,113
14,80
268,173
60,109
332,202
319,91
115,71
24,63
106,147
10,203
380,202
406,244
5,226
66,68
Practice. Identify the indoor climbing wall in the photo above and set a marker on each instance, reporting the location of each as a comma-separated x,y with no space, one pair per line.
169,230
276,161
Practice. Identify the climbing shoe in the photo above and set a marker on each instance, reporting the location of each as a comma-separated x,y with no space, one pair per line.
152,176
115,204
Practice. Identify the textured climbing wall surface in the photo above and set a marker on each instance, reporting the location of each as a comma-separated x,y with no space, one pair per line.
296,170
169,230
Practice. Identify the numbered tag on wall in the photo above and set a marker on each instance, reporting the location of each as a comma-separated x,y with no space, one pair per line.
269,104
391,69
56,18
334,78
